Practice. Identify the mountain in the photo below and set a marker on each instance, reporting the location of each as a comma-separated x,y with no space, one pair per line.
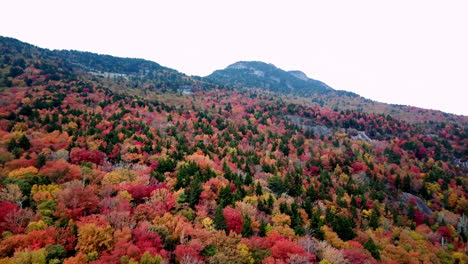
298,87
56,64
269,77
105,160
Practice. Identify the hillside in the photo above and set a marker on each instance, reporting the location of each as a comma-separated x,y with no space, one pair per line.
108,160
298,87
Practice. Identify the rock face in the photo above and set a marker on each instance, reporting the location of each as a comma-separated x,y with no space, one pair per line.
358,135
309,124
300,75
423,208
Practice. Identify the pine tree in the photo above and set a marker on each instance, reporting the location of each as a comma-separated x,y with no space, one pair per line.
372,248
262,229
258,190
247,227
40,160
219,221
194,191
374,219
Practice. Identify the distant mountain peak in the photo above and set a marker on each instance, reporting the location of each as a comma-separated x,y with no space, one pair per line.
300,75
269,77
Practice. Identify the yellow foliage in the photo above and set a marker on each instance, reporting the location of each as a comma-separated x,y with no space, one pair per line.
245,253
93,238
453,200
39,225
285,231
433,187
119,176
332,238
126,195
44,192
20,127
281,220
26,100
19,173
250,199
324,261
460,258
36,257
5,261
72,125
208,224
366,213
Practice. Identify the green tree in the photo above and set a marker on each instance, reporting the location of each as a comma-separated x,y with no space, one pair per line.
262,229
219,221
372,248
247,227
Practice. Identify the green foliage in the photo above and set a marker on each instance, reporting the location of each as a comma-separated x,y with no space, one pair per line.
55,252
277,185
219,220
372,248
208,251
247,230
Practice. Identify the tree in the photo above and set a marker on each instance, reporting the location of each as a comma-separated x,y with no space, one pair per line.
77,156
234,220
344,227
12,193
55,253
374,219
24,142
93,238
219,221
40,160
247,227
372,248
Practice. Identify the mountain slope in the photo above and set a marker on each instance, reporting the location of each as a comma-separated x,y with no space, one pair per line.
298,87
269,77
19,57
92,173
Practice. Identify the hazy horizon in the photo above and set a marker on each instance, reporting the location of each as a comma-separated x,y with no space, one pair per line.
409,53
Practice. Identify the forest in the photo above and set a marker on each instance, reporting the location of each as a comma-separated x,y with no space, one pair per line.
128,169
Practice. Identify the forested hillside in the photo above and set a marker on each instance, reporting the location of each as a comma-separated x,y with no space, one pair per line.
111,160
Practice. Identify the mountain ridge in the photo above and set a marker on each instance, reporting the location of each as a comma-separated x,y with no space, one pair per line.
294,84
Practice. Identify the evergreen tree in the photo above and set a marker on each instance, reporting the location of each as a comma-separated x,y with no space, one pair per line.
372,248
258,190
40,160
262,229
194,191
24,142
374,219
11,145
247,227
219,221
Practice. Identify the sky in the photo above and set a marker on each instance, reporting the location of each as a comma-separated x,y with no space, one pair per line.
402,52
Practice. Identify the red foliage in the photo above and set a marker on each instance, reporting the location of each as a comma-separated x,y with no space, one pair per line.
445,232
418,217
283,248
77,156
5,209
146,240
60,171
183,251
359,166
234,219
12,243
356,256
75,201
139,192
38,239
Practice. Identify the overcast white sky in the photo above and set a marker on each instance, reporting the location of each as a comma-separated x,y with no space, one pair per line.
400,51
